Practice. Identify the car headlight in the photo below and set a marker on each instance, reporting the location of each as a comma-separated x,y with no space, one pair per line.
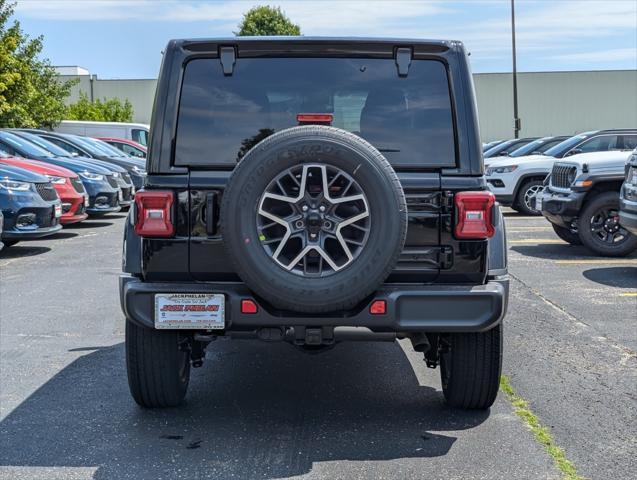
13,185
506,169
138,170
115,175
56,179
91,176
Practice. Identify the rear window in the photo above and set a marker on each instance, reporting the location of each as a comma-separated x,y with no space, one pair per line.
409,119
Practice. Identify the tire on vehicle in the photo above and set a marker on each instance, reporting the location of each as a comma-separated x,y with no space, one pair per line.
470,367
599,228
158,369
9,243
286,204
566,234
525,201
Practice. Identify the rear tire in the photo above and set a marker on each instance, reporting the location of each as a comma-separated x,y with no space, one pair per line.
158,371
597,226
523,198
470,368
566,235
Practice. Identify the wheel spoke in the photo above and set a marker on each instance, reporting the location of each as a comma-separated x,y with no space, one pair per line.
306,232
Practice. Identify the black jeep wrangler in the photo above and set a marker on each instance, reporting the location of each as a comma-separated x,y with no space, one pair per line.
314,191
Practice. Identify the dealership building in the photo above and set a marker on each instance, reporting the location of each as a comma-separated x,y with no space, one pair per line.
550,103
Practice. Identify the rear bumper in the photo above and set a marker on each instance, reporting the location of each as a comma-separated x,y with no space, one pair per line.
413,308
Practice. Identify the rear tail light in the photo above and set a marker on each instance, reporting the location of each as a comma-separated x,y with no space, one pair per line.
320,118
474,215
154,213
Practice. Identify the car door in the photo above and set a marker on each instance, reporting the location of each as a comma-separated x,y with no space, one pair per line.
600,143
628,142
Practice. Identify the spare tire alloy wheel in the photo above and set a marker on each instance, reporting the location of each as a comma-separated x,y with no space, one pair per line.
314,219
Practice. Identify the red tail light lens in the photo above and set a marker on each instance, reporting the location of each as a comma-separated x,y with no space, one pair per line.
474,215
325,118
378,307
249,307
154,213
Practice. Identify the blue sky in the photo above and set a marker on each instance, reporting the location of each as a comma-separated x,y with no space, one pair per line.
124,38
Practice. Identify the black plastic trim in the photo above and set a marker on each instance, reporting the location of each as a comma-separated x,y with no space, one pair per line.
410,308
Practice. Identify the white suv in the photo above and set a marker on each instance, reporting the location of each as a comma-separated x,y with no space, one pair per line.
516,180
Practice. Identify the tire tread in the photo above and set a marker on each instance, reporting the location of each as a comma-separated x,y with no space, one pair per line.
475,369
153,363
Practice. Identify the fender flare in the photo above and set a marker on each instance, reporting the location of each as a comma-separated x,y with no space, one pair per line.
525,177
132,246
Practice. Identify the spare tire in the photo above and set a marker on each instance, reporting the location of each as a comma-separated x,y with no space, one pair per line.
314,219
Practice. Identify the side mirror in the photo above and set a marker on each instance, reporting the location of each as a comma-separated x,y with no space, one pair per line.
575,151
504,154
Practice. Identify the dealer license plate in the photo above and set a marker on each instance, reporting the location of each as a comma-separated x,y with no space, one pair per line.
190,310
57,211
538,203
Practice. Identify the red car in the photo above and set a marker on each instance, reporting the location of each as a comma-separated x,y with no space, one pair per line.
66,183
129,147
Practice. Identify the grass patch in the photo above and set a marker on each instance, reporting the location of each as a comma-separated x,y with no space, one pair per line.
542,434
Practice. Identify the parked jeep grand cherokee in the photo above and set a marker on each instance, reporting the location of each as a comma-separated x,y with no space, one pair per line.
581,201
313,191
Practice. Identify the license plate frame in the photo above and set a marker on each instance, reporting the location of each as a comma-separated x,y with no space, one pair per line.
193,311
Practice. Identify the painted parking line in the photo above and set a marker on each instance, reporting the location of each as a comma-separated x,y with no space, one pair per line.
517,229
598,261
537,241
628,294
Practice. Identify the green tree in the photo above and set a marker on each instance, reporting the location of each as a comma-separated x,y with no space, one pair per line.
107,110
30,94
265,21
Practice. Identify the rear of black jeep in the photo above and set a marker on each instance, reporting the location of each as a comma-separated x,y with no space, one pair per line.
314,191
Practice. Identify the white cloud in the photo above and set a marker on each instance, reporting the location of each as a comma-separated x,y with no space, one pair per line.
546,29
599,56
323,16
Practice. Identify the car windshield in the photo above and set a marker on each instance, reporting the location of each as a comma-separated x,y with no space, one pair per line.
90,147
25,146
527,149
562,147
45,144
409,118
104,147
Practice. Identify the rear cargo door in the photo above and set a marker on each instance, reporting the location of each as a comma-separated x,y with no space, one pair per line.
402,108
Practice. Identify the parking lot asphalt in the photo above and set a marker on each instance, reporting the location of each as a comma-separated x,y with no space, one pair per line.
361,410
